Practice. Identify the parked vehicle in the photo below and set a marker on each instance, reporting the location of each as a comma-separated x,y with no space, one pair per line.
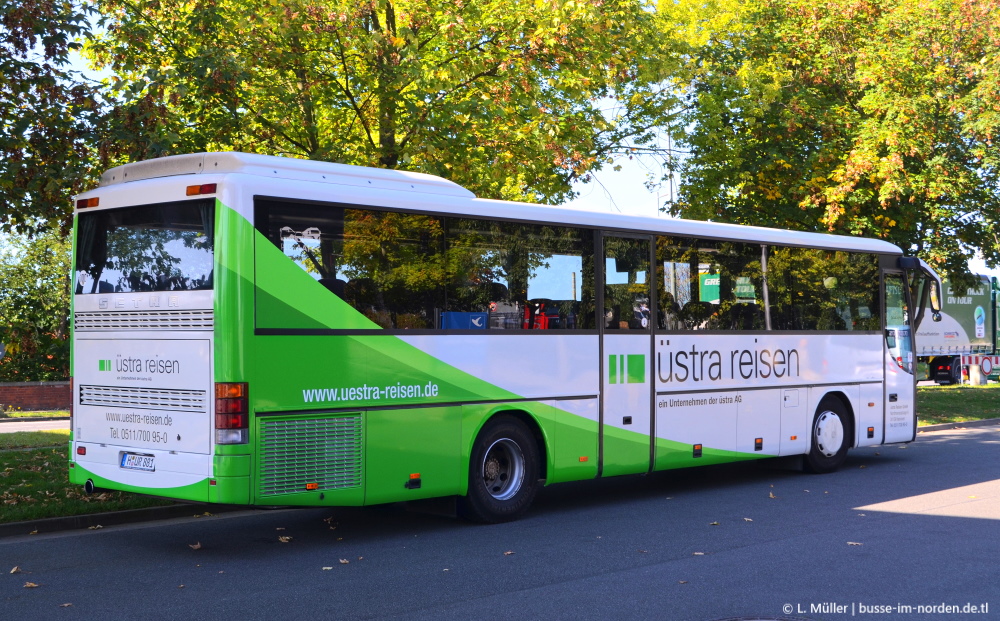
969,325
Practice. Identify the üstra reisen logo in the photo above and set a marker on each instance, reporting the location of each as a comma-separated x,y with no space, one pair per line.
627,369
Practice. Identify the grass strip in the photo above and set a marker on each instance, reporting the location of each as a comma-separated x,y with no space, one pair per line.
34,483
35,414
957,404
34,439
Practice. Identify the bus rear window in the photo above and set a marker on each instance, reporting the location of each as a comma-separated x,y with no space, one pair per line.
160,247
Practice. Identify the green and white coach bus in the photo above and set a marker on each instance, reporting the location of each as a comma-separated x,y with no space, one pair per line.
259,330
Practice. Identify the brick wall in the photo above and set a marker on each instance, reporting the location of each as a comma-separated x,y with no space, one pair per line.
35,396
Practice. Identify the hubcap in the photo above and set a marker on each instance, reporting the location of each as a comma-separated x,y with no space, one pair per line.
828,433
503,469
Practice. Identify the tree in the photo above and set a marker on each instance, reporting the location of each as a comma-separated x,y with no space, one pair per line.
34,307
862,117
47,114
501,96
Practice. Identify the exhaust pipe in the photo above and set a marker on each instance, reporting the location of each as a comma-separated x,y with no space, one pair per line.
89,487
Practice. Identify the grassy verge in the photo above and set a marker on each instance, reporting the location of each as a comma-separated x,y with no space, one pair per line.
34,483
34,414
957,404
33,439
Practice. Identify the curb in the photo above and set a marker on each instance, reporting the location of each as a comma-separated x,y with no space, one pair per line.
112,518
986,422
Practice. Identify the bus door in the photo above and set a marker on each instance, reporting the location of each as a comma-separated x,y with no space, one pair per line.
626,356
900,421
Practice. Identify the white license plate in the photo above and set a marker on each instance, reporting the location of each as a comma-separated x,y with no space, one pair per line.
133,461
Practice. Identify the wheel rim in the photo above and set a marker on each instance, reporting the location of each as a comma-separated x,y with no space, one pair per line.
828,433
503,469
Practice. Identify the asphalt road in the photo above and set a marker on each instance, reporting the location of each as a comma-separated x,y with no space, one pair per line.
913,525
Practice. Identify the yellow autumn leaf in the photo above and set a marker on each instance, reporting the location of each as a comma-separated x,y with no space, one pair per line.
30,585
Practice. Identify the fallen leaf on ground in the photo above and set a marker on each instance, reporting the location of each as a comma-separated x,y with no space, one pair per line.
854,543
30,585
682,582
327,568
16,570
508,552
195,546
284,539
65,605
94,527
344,561
713,524
771,495
747,520
697,554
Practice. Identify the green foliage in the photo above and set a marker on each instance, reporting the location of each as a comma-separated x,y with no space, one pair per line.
47,114
861,117
34,307
501,96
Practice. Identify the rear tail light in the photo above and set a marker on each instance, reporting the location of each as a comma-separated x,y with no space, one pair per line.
232,413
197,190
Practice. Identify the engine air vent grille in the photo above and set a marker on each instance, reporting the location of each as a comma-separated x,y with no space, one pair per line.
145,320
145,398
310,454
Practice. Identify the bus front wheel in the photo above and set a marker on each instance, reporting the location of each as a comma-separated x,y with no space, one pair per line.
503,472
830,440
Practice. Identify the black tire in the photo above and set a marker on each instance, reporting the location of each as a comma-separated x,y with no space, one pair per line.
829,437
503,472
955,372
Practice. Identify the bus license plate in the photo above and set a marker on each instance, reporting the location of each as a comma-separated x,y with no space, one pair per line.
132,461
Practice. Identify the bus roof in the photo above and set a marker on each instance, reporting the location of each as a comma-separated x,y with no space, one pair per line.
465,202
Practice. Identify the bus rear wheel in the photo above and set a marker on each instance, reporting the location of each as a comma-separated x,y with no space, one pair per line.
830,440
503,472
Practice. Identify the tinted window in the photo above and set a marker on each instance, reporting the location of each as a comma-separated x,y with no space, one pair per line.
418,271
813,289
163,247
709,285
